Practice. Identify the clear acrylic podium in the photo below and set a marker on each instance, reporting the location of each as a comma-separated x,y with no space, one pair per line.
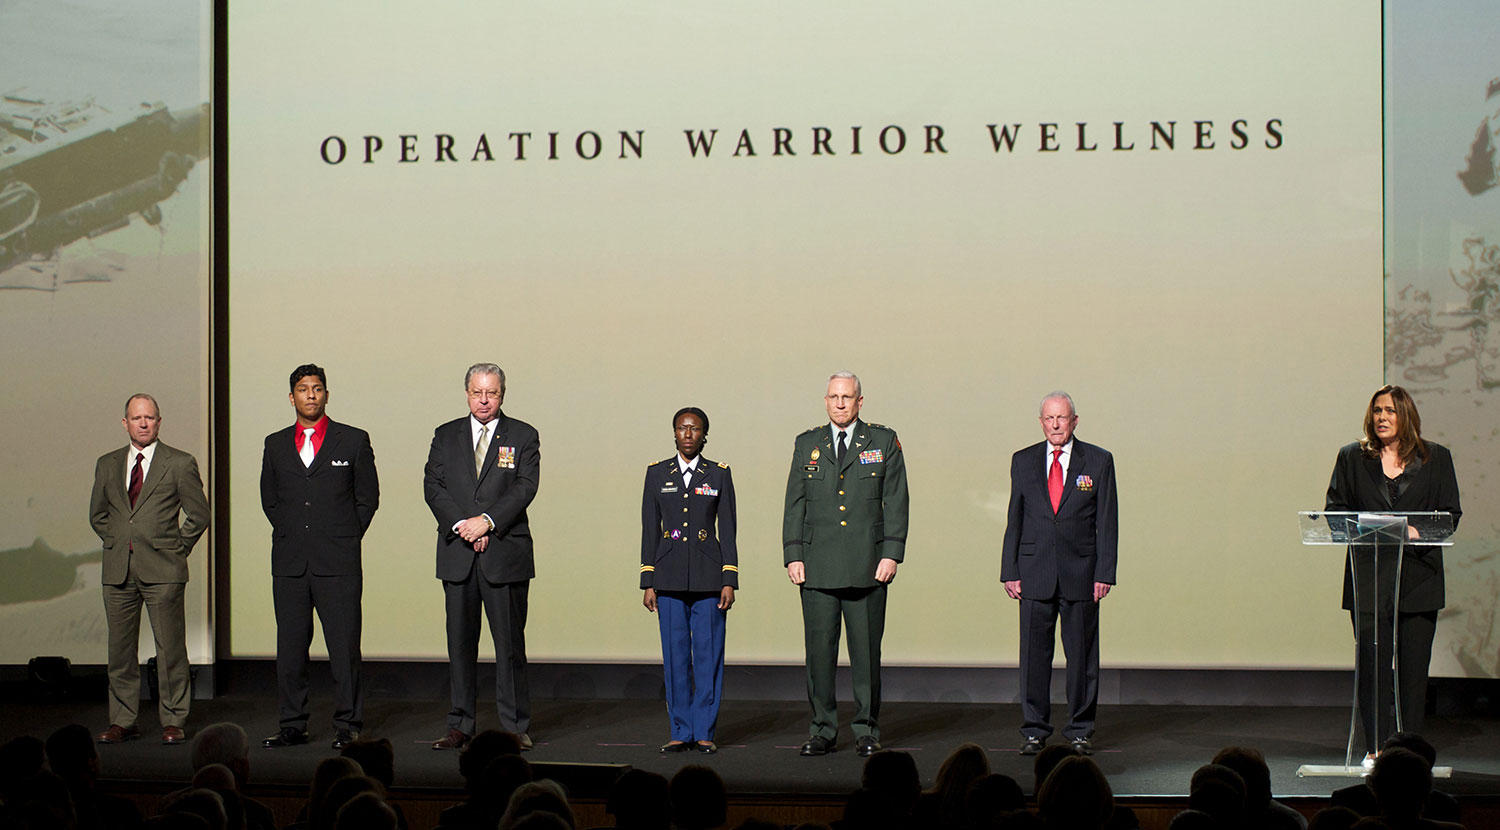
1376,542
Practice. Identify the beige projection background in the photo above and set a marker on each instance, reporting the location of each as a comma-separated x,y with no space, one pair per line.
1214,311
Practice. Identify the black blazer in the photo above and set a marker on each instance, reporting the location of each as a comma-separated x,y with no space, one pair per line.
1358,483
1061,554
687,532
512,473
320,513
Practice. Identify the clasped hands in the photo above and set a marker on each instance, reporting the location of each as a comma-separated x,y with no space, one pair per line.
476,531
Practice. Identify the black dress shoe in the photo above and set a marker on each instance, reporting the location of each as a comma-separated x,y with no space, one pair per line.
343,738
679,746
526,743
866,746
286,737
817,745
707,747
1033,745
1082,746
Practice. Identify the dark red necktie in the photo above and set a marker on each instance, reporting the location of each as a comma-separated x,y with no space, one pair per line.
135,479
1054,480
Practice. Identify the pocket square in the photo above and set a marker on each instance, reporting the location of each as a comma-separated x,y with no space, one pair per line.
340,463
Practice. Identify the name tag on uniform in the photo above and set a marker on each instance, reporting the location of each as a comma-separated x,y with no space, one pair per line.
669,487
705,490
506,457
871,457
809,468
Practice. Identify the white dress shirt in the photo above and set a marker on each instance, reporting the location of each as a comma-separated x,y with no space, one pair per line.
687,467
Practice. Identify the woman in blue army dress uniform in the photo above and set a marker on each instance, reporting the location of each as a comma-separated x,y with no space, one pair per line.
689,570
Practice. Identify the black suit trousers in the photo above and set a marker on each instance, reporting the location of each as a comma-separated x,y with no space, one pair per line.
1402,680
336,599
1080,636
504,603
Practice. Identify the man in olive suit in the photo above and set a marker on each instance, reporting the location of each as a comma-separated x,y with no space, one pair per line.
149,510
843,535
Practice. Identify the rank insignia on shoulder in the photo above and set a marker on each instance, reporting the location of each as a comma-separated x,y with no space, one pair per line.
722,464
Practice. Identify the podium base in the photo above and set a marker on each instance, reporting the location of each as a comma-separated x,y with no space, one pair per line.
1341,771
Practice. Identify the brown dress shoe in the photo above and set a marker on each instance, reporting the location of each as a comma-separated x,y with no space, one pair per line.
453,740
118,734
172,735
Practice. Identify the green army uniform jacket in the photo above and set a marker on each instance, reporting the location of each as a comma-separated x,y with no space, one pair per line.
843,518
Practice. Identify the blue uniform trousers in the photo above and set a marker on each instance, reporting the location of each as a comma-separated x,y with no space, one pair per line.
692,649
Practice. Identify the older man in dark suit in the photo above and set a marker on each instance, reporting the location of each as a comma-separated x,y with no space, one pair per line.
319,488
149,510
1058,559
482,472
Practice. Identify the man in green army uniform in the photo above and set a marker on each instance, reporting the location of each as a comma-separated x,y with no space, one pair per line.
844,534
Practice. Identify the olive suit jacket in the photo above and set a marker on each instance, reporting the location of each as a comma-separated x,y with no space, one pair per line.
843,518
169,516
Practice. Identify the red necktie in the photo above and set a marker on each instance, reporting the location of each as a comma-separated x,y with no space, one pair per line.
135,479
1054,480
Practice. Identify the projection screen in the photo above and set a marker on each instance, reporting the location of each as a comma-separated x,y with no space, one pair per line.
1172,211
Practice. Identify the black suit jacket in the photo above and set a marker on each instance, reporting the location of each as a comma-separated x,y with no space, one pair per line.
1358,483
1061,555
508,483
687,532
320,513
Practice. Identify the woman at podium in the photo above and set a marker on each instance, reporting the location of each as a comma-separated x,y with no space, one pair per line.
1392,469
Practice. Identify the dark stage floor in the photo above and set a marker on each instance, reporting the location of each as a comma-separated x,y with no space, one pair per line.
1144,750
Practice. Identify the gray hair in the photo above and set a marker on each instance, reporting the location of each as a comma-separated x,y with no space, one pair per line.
220,743
484,369
1058,395
138,396
859,391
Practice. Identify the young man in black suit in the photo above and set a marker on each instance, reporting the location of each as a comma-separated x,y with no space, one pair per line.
319,488
1061,540
482,472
